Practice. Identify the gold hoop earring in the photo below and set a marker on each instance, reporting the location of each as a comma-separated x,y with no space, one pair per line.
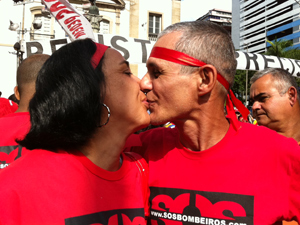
108,115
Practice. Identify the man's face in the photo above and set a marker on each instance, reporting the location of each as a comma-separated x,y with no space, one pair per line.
269,107
171,95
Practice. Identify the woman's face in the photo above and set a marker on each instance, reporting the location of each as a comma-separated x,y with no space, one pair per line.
128,104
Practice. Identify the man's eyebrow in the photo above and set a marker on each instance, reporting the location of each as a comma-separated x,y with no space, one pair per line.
258,96
151,64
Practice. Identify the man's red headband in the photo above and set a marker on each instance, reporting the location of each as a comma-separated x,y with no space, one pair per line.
98,54
186,60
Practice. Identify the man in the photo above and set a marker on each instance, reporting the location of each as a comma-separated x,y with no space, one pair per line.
16,125
275,98
209,169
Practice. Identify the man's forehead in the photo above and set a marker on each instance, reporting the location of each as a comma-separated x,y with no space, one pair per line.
264,82
161,64
155,62
264,85
168,40
265,79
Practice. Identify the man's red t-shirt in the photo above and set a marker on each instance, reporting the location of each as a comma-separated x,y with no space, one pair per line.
250,177
13,126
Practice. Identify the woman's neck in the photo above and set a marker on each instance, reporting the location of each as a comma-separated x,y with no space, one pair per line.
104,148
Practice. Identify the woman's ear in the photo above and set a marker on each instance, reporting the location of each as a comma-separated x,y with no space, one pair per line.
292,93
207,79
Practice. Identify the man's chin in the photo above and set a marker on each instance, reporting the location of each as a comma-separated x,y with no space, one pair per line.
262,122
156,121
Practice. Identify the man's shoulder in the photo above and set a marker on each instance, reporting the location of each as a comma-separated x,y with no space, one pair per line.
263,137
15,119
257,131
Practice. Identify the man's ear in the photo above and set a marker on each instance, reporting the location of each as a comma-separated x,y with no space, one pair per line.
17,93
292,93
207,79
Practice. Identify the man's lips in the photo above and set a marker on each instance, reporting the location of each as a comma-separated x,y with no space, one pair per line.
145,102
150,102
259,114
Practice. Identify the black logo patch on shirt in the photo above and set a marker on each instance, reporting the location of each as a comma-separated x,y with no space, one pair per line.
8,154
180,206
113,217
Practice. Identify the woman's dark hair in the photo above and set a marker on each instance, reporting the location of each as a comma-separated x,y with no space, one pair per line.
66,108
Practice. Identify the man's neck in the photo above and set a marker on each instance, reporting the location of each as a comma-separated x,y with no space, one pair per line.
204,133
22,107
292,130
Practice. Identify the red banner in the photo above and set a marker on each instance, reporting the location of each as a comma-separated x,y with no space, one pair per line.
75,24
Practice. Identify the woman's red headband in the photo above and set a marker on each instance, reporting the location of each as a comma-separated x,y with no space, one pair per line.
98,54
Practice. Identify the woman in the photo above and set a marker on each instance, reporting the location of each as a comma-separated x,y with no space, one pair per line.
87,103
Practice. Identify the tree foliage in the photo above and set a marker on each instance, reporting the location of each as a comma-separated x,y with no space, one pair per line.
283,48
279,48
239,86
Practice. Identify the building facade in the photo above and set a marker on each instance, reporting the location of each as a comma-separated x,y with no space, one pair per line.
139,19
220,17
255,21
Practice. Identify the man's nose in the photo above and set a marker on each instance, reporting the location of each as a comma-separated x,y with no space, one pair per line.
146,83
256,105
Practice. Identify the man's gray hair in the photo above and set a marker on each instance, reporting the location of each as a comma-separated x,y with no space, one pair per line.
282,78
207,42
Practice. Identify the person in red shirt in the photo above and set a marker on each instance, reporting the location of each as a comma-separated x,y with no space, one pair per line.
7,106
210,169
87,103
17,123
276,102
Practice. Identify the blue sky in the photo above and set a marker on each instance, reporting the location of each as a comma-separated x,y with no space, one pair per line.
193,9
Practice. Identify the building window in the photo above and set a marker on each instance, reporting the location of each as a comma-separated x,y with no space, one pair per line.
45,31
154,26
104,26
41,16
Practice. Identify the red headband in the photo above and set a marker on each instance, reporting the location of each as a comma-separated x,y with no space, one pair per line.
98,54
186,60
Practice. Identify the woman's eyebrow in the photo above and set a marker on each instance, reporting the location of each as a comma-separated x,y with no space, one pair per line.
126,62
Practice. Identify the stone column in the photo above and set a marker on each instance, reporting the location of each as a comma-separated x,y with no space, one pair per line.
134,18
118,15
176,5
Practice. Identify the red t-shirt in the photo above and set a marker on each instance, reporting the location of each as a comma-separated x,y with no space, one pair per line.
7,107
50,188
13,126
250,177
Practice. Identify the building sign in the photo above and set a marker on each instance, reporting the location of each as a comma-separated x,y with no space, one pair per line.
136,51
251,61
